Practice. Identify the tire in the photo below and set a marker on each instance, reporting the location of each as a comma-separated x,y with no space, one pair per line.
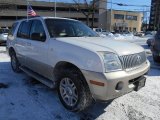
73,91
156,58
15,63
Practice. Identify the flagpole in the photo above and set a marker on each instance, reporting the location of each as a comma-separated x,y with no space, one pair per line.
27,10
55,10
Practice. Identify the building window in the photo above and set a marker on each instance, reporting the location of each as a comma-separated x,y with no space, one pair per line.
130,17
130,29
126,28
134,29
118,16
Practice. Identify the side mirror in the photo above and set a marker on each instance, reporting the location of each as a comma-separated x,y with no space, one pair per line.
38,37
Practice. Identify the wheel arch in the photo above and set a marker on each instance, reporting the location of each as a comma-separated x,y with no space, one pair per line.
11,50
60,66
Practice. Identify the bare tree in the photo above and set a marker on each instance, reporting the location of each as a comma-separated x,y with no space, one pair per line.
88,8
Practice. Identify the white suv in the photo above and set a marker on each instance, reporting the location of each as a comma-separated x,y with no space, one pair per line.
68,55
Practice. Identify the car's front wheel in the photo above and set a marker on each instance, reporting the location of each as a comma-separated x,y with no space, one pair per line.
15,63
73,92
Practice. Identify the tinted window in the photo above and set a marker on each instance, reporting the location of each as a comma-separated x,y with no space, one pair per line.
12,30
68,28
23,31
37,27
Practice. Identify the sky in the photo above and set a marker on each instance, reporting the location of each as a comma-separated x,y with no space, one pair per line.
129,2
136,5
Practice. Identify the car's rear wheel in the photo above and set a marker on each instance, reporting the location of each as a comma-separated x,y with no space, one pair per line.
74,94
15,63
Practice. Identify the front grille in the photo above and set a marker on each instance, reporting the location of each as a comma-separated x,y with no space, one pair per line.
133,61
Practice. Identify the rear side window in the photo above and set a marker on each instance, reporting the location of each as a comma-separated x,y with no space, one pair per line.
37,27
12,30
23,31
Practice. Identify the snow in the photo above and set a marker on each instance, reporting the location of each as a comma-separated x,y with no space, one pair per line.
126,37
27,99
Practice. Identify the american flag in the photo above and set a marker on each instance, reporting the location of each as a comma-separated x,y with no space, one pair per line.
30,11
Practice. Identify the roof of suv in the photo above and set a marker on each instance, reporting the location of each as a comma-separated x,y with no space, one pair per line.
30,18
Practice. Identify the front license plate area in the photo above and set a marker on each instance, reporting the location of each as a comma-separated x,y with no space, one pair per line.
139,84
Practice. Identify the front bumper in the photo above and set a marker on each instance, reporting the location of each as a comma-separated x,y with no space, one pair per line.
110,80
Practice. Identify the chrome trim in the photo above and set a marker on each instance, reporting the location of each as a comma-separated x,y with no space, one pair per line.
133,61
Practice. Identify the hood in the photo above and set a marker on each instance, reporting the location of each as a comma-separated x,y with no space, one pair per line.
103,44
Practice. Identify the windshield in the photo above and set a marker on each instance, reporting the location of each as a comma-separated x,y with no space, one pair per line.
68,28
4,31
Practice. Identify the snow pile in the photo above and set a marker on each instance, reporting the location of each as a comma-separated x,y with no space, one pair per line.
119,37
125,37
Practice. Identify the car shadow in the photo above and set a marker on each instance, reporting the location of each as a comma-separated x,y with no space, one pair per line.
5,66
91,113
154,72
94,111
155,67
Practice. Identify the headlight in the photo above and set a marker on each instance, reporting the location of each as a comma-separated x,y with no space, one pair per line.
111,62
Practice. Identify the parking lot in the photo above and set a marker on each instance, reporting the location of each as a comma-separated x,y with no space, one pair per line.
23,98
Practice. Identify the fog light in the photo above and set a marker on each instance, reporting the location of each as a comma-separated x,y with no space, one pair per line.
119,86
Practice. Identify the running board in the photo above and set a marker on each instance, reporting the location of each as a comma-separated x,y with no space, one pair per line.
38,77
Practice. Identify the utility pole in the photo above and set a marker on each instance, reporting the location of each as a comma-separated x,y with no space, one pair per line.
27,9
55,9
111,18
